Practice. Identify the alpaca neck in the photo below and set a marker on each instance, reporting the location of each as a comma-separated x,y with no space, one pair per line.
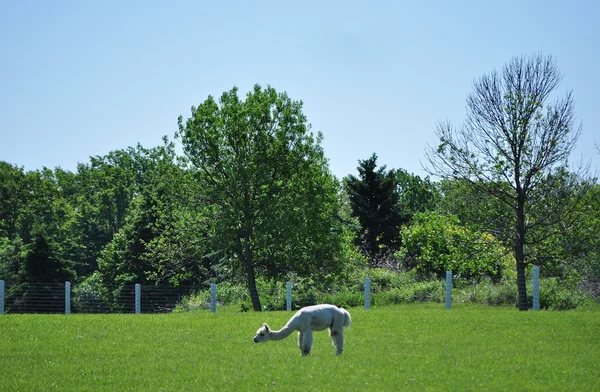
282,333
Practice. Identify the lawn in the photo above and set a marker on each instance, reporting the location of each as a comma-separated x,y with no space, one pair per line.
402,347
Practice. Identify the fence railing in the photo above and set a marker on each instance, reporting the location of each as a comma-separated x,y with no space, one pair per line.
59,298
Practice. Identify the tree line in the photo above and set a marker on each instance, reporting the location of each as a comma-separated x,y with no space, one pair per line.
252,197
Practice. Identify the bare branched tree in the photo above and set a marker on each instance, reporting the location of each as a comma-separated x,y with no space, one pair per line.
512,135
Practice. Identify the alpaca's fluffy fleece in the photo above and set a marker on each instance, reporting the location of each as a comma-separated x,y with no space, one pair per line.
306,320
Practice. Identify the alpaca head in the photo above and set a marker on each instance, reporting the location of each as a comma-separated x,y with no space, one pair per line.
263,334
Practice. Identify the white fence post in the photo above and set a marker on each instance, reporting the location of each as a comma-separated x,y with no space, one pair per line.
213,297
138,298
448,289
367,293
67,297
536,288
288,295
1,297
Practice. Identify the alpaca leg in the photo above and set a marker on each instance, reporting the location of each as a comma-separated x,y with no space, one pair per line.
300,338
337,337
307,342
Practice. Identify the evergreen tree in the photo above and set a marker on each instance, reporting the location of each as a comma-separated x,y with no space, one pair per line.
41,277
374,201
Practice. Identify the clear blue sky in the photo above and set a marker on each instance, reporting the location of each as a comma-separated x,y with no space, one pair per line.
79,79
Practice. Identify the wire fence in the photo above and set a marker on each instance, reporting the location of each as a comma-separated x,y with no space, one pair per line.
46,298
35,298
67,298
62,298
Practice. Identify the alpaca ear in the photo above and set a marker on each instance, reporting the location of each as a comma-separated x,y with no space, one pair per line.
266,327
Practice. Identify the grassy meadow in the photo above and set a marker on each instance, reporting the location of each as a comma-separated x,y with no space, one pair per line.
401,347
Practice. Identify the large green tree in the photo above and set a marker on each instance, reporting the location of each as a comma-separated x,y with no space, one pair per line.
513,146
374,200
273,202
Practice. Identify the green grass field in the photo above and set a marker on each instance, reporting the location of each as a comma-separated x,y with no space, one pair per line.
404,347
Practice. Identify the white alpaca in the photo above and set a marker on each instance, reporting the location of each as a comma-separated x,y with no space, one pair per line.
307,320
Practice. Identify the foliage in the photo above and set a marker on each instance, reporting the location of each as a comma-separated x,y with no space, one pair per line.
437,243
275,204
160,240
488,293
121,262
13,199
555,296
384,279
374,198
105,188
90,295
577,247
12,258
477,208
43,263
415,194
36,241
426,291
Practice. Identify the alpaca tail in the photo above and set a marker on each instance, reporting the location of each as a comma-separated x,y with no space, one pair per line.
347,318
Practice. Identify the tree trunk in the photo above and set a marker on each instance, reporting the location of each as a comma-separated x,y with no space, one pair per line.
246,256
520,254
252,287
522,286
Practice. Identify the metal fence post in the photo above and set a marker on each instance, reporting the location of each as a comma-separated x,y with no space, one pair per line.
288,295
448,289
213,297
1,297
138,299
67,297
536,288
367,293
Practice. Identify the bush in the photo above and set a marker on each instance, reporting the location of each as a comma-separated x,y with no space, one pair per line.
384,280
437,243
555,296
430,291
345,299
89,296
488,293
198,301
504,294
230,293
